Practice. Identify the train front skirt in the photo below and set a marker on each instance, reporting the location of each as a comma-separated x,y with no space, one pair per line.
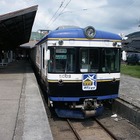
78,114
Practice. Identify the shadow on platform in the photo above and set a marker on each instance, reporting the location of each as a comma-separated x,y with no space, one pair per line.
16,67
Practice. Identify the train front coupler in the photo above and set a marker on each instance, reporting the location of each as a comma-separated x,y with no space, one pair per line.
92,108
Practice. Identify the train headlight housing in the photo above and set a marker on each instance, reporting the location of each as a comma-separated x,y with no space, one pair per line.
114,44
60,42
89,32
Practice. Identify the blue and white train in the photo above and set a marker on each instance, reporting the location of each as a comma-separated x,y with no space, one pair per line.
80,68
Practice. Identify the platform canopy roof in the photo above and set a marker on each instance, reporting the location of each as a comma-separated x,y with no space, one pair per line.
16,27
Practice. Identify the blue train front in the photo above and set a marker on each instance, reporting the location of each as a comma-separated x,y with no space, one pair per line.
81,69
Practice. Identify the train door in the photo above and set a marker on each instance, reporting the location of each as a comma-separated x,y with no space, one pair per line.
43,62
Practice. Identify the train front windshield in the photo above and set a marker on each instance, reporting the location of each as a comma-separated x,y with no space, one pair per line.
82,60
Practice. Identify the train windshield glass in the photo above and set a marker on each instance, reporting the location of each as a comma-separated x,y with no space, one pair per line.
62,60
103,60
110,60
89,60
94,60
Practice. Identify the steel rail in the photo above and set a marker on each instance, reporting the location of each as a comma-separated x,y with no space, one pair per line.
73,129
109,132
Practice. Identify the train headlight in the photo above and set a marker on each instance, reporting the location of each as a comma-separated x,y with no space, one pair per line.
89,32
60,42
114,44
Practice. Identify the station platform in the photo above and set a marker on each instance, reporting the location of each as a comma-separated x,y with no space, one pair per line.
130,90
22,112
128,104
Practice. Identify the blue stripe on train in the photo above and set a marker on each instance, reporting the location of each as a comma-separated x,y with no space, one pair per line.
70,99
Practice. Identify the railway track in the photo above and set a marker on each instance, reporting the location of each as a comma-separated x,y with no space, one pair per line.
107,130
80,137
73,129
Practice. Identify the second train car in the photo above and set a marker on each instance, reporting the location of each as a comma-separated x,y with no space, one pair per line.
80,68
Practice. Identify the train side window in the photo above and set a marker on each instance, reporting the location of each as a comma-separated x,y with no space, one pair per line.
43,58
51,62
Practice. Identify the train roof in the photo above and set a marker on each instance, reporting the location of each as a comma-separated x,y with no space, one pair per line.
77,32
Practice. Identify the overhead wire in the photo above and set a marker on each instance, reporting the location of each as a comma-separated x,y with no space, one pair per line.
56,11
61,12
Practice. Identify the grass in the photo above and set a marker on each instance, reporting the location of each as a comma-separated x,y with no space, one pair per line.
132,70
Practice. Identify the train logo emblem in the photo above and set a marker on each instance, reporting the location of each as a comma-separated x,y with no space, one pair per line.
89,82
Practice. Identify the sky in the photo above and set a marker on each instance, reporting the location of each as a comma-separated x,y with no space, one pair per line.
117,16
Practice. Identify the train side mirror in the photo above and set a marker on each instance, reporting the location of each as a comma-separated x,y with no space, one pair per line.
47,56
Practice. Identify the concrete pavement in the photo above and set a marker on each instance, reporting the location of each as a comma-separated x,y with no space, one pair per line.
22,113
